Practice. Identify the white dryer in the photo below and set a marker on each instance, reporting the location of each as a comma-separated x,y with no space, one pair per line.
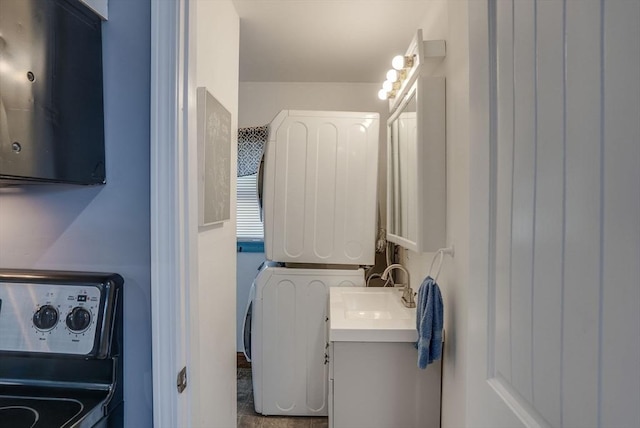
319,187
289,336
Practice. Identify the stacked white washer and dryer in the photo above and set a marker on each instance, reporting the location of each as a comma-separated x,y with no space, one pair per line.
319,208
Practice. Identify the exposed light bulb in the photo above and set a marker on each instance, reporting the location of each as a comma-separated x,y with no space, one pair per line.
392,75
387,85
398,62
382,94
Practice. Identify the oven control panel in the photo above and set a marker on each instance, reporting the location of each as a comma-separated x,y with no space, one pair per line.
49,318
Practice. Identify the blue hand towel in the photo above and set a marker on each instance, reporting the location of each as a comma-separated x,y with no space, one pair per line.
429,322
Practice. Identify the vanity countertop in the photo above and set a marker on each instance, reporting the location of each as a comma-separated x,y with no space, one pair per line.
371,314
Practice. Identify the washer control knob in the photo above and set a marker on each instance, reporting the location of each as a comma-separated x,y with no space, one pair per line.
45,318
78,319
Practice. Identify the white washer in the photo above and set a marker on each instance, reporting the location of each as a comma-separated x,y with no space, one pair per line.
289,338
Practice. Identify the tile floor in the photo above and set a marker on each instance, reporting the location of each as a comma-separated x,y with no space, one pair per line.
248,418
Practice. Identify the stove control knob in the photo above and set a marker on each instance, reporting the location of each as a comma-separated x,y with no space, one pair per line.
45,318
78,319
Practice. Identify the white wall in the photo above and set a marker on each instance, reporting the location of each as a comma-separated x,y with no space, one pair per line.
103,228
260,102
447,19
213,304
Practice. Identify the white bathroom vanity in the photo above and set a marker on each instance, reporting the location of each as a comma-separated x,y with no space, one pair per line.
374,380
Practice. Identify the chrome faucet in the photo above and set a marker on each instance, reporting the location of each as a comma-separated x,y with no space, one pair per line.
407,292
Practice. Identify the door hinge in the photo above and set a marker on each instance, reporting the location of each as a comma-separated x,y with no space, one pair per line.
182,380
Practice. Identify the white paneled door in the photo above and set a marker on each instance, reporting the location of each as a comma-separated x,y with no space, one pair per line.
555,277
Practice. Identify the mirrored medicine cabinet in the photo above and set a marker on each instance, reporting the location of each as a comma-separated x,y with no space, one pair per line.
416,158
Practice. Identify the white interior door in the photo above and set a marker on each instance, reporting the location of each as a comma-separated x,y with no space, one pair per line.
555,287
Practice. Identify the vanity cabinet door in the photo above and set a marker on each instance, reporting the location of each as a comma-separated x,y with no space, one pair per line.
378,385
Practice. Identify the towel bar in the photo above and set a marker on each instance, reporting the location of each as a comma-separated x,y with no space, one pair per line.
441,252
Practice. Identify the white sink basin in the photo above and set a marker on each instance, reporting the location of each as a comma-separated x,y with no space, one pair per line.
370,305
370,315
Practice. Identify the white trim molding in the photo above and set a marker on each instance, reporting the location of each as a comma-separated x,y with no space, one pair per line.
170,233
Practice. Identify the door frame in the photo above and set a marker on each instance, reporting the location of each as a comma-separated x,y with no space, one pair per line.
173,241
482,228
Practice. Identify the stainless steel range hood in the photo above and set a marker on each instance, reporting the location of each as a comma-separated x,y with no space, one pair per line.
51,102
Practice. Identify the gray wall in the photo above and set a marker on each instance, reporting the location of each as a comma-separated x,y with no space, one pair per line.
103,228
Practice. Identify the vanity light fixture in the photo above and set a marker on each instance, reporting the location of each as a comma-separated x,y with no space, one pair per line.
400,62
421,57
395,76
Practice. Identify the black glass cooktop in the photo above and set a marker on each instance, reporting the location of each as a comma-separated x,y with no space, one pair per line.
20,411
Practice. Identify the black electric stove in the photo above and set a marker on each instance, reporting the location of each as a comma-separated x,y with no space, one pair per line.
60,349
